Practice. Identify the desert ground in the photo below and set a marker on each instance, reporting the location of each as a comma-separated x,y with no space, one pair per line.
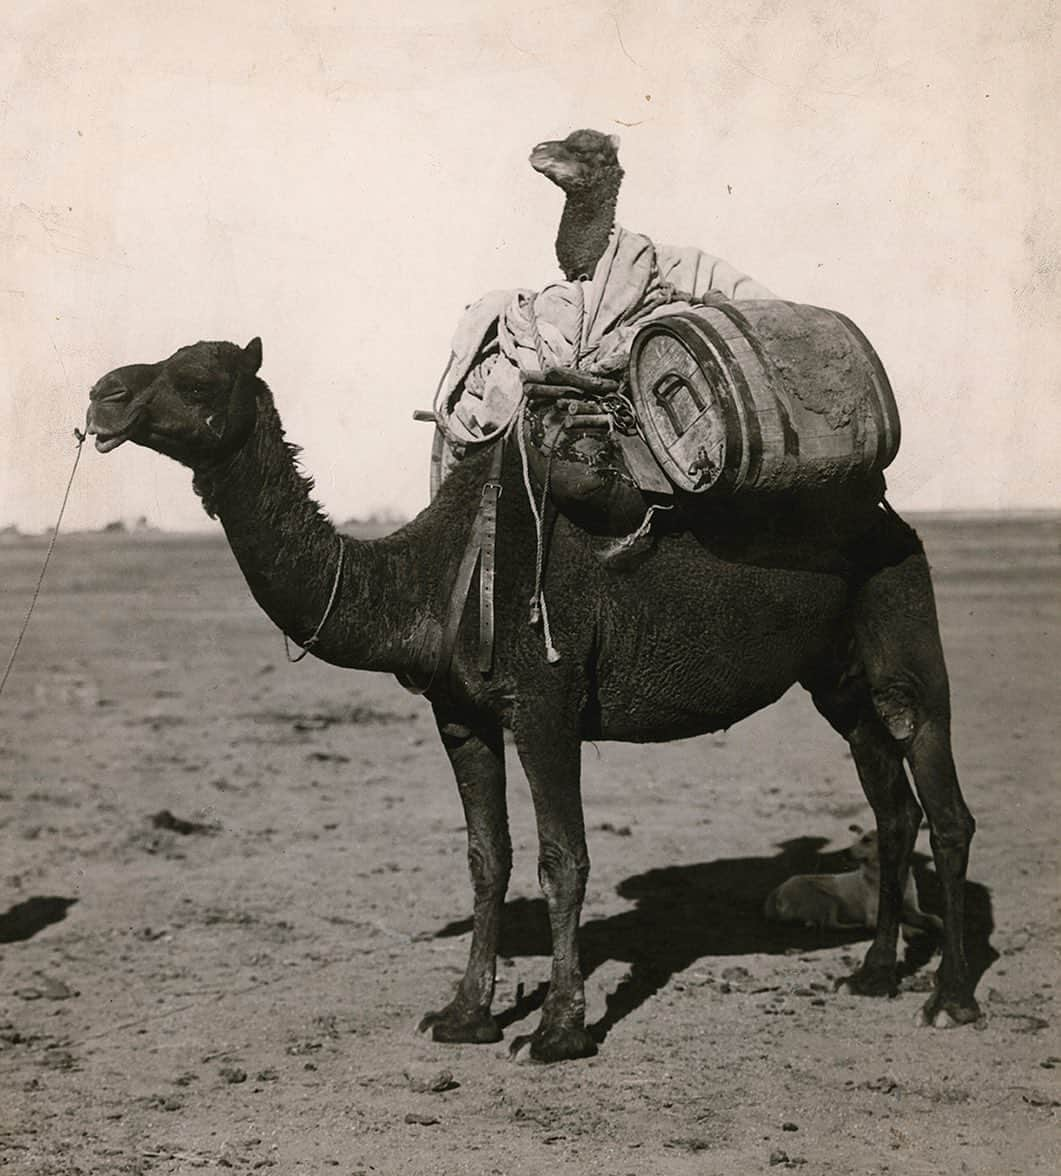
230,887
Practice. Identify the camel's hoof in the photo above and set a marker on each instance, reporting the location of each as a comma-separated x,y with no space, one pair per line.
561,1044
454,1025
870,982
939,1013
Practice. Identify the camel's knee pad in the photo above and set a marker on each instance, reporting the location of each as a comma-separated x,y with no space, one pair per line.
899,711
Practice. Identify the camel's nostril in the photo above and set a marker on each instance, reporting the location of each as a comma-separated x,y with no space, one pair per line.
110,394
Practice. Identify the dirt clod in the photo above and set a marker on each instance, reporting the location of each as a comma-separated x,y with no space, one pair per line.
164,819
430,1082
47,988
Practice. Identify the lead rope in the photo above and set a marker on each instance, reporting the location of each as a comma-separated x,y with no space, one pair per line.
307,646
81,437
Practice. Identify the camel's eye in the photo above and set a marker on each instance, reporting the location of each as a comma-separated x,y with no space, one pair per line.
196,393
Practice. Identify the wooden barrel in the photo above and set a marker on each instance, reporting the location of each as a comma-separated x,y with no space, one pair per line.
765,396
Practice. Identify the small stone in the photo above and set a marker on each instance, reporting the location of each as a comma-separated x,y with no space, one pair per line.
47,987
233,1075
229,1156
789,1127
416,1120
777,1156
433,1082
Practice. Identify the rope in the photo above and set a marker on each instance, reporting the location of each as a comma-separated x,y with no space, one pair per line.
308,645
539,342
539,610
44,567
581,324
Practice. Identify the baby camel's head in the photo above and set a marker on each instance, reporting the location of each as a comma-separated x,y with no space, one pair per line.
584,160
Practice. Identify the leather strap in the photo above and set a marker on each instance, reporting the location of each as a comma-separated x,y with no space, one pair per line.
487,544
481,543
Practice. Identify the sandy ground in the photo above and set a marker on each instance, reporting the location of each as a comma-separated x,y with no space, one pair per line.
242,994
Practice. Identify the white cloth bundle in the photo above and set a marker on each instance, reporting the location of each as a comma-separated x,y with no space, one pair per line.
588,325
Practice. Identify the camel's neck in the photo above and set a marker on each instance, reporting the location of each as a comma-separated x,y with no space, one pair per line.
585,227
288,551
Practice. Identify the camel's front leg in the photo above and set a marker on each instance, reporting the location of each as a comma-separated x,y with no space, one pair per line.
548,742
478,759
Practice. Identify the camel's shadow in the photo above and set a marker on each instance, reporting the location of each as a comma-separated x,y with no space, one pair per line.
685,913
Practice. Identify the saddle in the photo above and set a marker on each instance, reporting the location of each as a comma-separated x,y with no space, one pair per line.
583,451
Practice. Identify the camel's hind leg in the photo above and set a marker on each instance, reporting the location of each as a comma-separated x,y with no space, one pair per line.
478,760
846,703
898,643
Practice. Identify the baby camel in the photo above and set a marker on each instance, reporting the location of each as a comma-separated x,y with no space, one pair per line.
842,902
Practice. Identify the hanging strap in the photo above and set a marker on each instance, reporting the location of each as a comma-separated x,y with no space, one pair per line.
480,550
488,544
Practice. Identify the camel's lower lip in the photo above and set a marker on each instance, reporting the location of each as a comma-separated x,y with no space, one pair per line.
105,443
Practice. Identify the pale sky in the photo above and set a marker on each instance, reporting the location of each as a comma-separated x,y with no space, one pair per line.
342,179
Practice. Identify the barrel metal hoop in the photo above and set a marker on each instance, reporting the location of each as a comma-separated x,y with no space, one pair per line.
784,408
886,412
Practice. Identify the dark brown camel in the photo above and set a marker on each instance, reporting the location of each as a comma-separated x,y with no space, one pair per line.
701,634
585,166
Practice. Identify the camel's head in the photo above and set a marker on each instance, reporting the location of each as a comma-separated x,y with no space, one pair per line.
197,407
582,161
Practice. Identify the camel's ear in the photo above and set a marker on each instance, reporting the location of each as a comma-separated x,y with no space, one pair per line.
251,359
614,140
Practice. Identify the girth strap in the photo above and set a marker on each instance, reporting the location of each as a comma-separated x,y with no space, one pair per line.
480,550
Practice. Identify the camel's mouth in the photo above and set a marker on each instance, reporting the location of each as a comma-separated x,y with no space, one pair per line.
105,442
551,160
110,436
542,155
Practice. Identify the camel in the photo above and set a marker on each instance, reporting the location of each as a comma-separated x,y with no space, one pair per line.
585,166
842,902
706,631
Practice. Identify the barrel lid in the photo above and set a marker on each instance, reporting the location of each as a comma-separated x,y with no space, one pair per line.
683,393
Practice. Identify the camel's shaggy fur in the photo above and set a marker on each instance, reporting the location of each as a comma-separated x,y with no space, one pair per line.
585,166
